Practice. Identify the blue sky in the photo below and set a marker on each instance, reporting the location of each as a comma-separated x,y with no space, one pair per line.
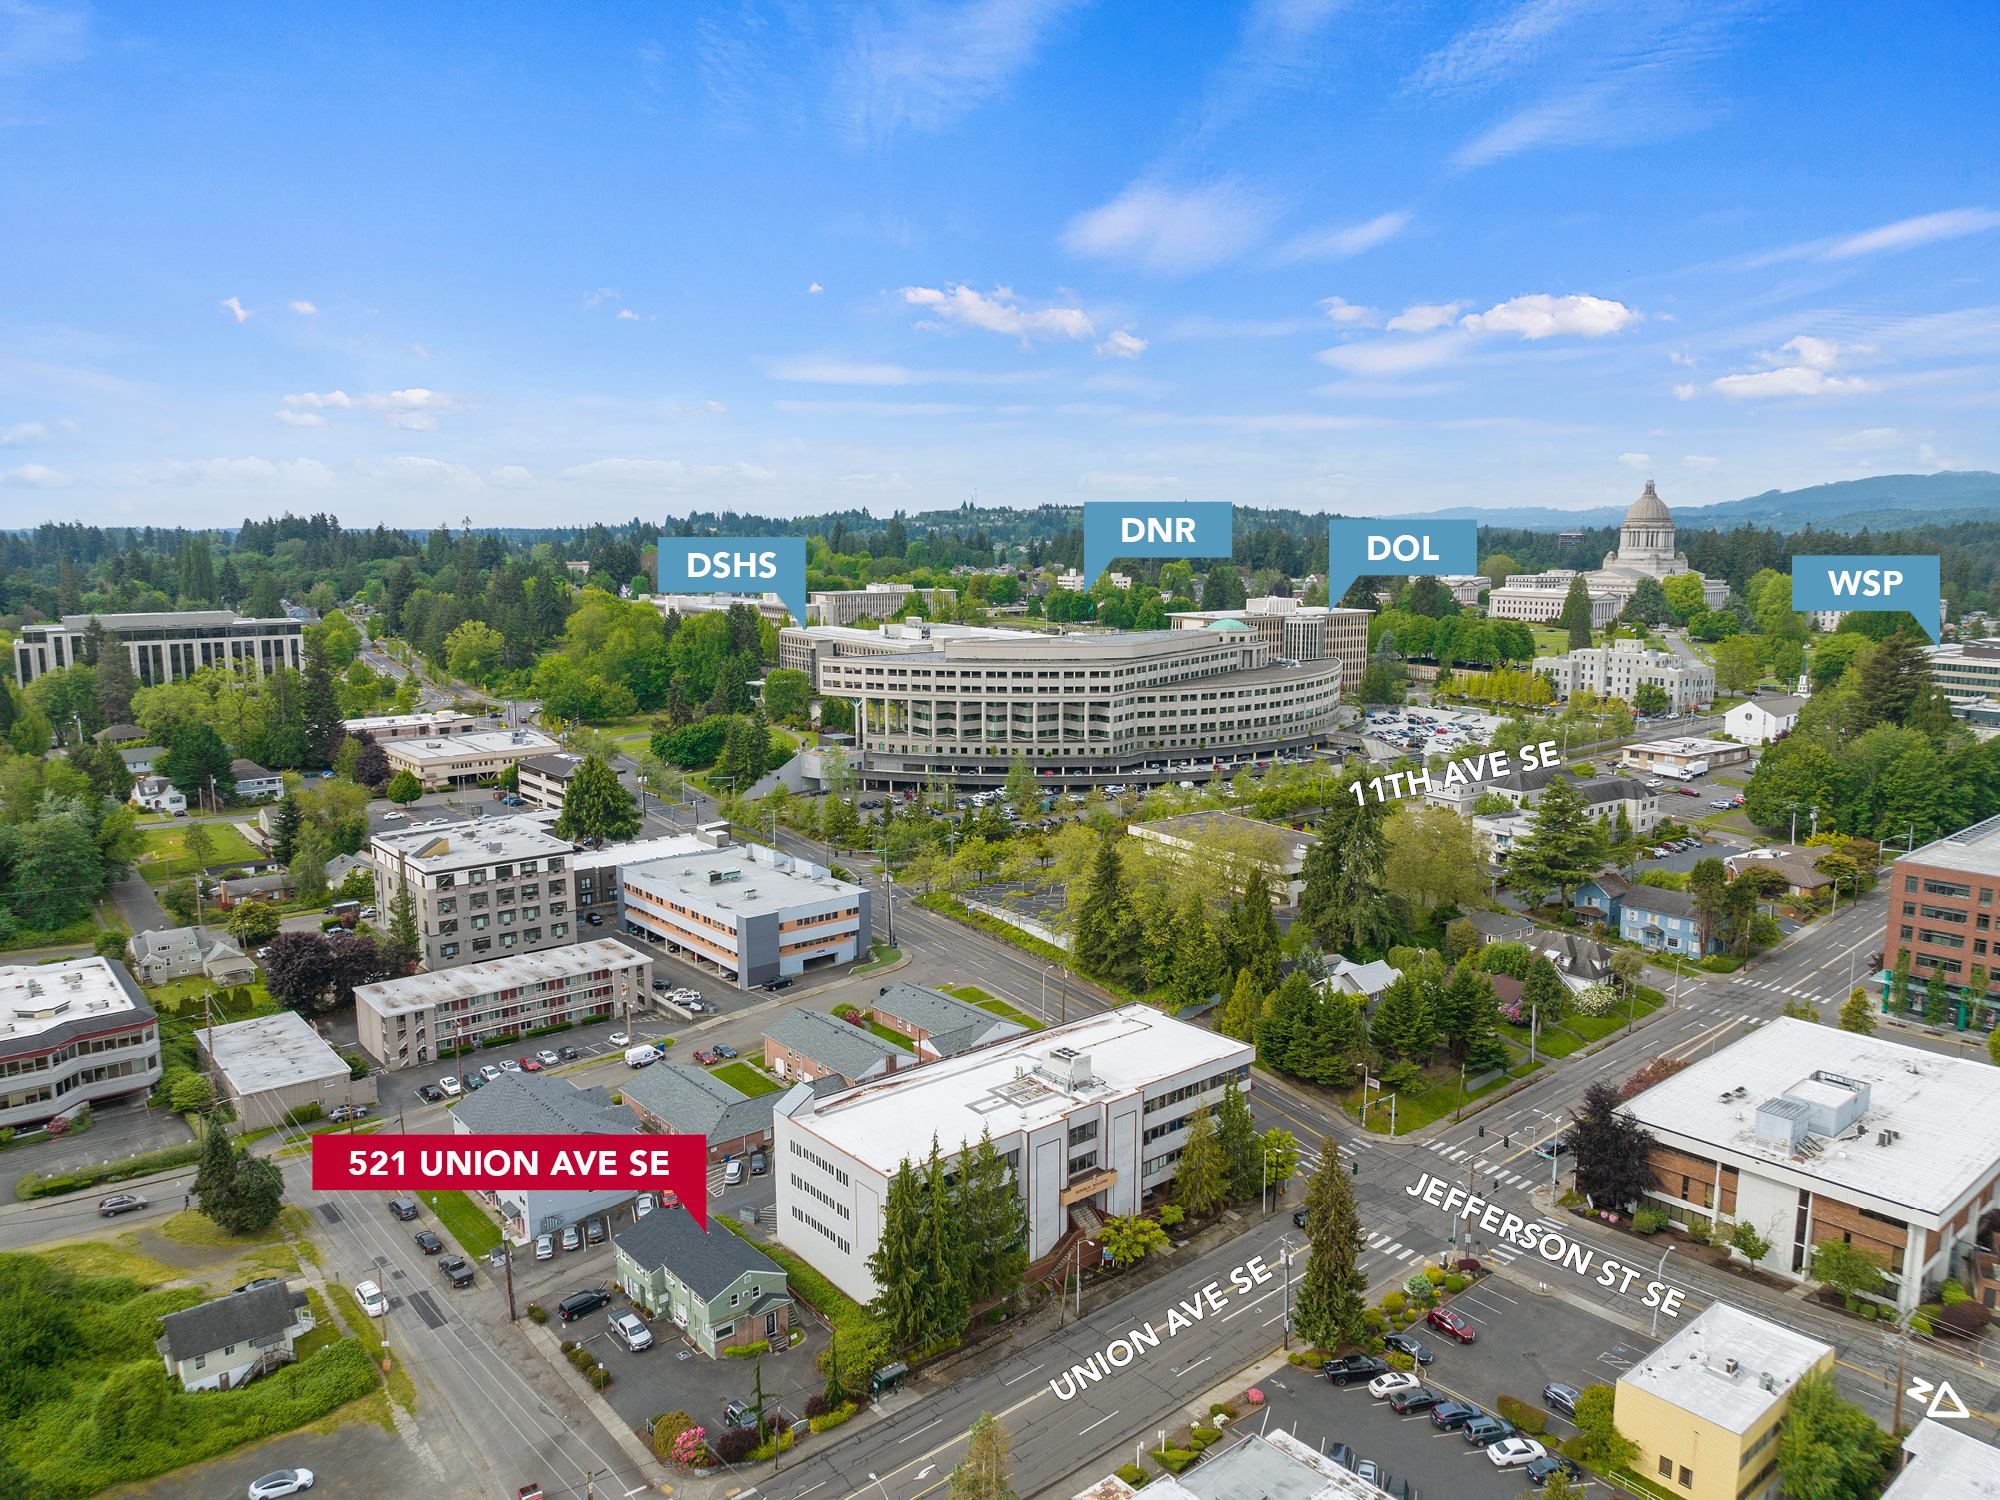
412,264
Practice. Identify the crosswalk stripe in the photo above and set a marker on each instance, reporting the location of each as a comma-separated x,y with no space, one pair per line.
1406,1255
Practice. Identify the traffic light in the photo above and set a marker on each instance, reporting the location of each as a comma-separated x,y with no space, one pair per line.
1356,1166
1482,1132
1507,1141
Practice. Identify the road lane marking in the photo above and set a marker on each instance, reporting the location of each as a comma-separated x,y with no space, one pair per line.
1022,1376
919,1432
1098,1423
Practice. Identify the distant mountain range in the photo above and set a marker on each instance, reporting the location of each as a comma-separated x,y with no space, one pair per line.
1884,502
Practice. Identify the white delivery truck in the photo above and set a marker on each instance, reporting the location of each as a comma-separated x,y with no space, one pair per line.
639,1057
1687,772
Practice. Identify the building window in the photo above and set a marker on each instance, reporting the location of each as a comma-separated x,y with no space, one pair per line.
480,945
1081,1133
1666,1467
1687,1477
200,1360
559,929
449,950
1910,883
532,935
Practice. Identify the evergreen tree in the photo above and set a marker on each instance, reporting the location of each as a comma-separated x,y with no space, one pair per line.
228,588
92,645
308,866
1575,617
1286,1028
1254,941
897,1265
596,806
942,1250
1198,966
215,1175
1331,1297
8,710
1894,681
1707,888
197,760
1613,1151
320,710
69,588
1237,1138
1340,1043
265,602
1201,1176
285,822
1560,849
1403,1026
1542,992
403,917
1101,943
1241,1015
255,1198
1343,901
991,1218
1467,1015
983,1473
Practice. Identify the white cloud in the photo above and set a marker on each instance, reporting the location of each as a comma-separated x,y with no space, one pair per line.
34,434
1908,234
642,473
941,61
815,287
1641,461
626,315
1686,392
513,477
1559,122
1871,439
421,350
35,477
1395,356
596,298
236,307
875,408
1355,238
1424,316
999,313
305,309
1796,380
1540,316
1171,232
413,410
706,409
1344,312
1699,461
1122,345
300,418
1820,354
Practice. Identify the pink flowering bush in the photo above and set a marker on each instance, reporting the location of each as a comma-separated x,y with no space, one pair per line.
690,1448
1254,1396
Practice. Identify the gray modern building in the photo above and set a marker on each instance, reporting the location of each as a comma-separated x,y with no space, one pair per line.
78,1031
165,647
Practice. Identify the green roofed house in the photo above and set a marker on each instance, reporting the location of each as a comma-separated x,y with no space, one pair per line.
718,1288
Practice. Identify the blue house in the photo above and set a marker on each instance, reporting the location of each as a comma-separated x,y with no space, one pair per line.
1603,893
1668,920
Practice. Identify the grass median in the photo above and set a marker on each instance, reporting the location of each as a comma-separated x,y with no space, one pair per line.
466,1221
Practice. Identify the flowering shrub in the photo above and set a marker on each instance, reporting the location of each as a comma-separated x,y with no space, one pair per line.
690,1448
1595,1000
1254,1396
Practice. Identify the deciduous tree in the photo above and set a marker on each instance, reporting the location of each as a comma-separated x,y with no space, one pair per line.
404,788
1830,1448
983,1473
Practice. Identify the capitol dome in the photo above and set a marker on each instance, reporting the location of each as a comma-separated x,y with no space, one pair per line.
1648,510
1225,625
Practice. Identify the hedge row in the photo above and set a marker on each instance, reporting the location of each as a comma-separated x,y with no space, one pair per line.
34,1185
828,1420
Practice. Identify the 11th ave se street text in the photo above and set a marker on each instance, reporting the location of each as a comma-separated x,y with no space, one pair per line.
1457,773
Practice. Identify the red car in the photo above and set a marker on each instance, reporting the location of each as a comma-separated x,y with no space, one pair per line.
530,1065
704,1058
1444,1320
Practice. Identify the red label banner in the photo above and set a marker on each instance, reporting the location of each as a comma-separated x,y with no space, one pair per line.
676,1164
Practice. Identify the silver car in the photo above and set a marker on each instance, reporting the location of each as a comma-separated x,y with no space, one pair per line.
636,1335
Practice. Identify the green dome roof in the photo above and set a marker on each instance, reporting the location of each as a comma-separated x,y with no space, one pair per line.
1225,625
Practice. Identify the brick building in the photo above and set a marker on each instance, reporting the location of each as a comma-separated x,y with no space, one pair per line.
1941,909
806,1044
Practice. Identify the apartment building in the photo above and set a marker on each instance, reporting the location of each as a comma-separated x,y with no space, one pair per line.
1967,670
78,1031
1280,851
878,601
404,1022
1098,707
1539,598
745,914
1810,1133
1084,1115
168,646
482,889
1942,909
1621,668
1294,632
543,780
1707,1407
432,726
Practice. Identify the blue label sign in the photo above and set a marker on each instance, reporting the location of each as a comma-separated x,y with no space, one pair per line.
736,565
1872,583
1115,528
1409,550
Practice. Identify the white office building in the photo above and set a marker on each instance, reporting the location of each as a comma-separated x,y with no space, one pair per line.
167,646
1539,598
1086,1115
1621,668
78,1031
1293,631
462,759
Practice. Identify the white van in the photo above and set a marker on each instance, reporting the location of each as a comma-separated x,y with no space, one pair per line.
639,1057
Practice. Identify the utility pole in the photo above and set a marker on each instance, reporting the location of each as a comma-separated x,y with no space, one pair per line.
1286,1241
208,1010
507,1261
1902,1350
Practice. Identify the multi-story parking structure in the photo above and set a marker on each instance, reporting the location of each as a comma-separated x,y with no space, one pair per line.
167,646
1086,708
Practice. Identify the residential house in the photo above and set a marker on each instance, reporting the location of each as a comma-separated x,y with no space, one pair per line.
1579,961
342,865
1602,894
1501,830
254,783
276,886
718,1288
683,1100
1502,926
941,1025
806,1044
1667,920
535,1104
1762,720
139,759
166,954
157,794
1345,977
1604,796
119,734
222,1344
1802,881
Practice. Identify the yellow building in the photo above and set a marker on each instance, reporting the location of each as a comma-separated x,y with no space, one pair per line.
1705,1407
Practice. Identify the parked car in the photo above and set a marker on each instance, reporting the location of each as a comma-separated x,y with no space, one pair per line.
371,1299
1410,1344
510,1066
1510,1452
1343,1455
342,1113
403,1208
429,1243
1444,1320
576,1304
594,918
1394,1381
1354,1367
781,983
646,1204
618,1039
757,1164
450,1086
1540,1469
457,1270
120,1203
1414,1398
723,1049
568,1054
489,1072
1367,1470
1454,1414
1483,1430
732,1171
636,1335
739,1414
547,1058
430,1093
284,1482
593,1231
531,1065
1563,1398
704,1058
572,1237
545,1247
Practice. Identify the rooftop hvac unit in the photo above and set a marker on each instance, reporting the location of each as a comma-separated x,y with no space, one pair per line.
1768,1381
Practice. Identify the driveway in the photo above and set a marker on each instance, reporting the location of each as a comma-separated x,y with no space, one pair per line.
358,1460
122,1129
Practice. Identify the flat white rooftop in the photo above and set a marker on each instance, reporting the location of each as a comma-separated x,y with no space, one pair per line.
469,981
36,998
750,878
640,850
449,716
1946,1463
1945,1112
1695,748
459,746
1693,1369
269,1052
1974,850
445,844
888,1119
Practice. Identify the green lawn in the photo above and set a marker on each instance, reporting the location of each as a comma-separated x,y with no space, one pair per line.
466,1221
1434,1103
164,855
896,1038
83,930
1593,1028
1000,1008
746,1079
1550,1041
186,994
